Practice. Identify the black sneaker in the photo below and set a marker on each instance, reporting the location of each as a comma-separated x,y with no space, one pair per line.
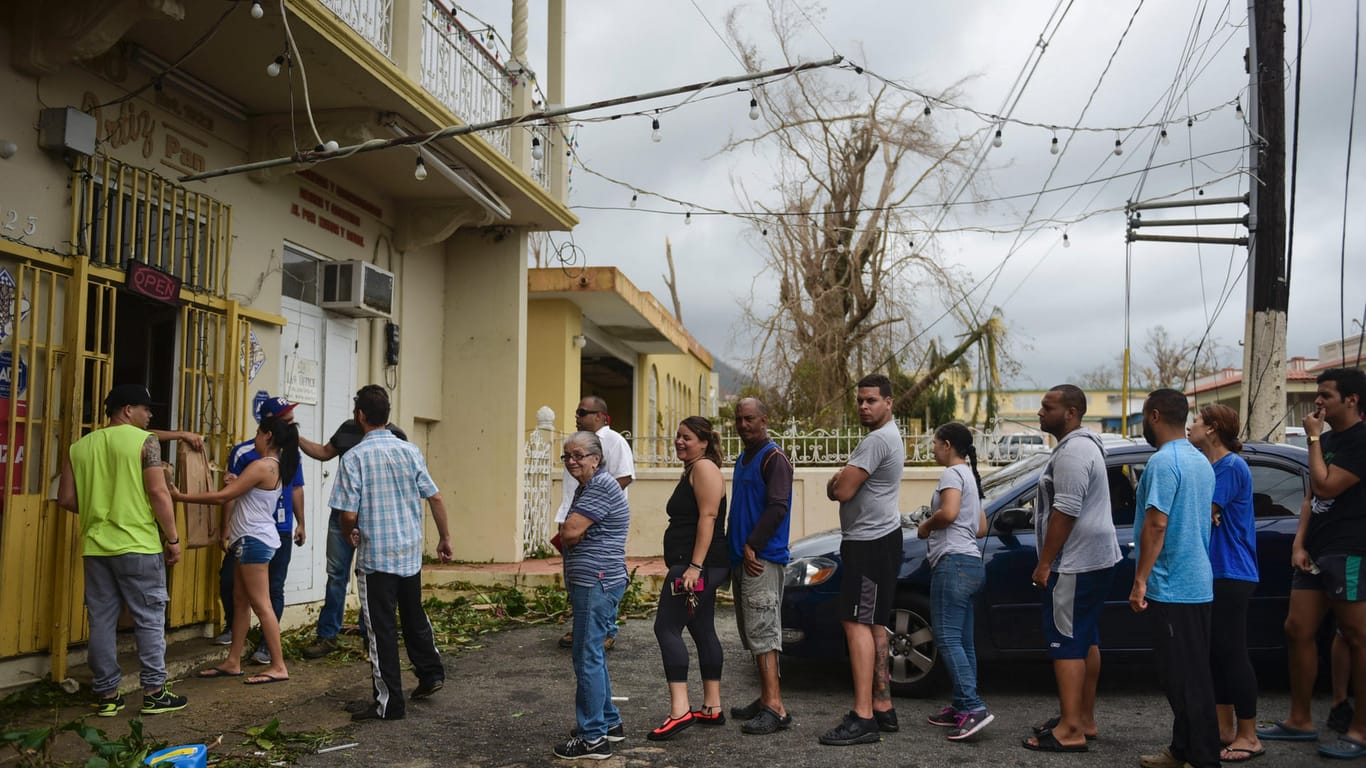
567,639
886,721
162,701
948,718
614,734
747,712
578,749
425,690
372,713
109,707
1340,716
854,730
766,722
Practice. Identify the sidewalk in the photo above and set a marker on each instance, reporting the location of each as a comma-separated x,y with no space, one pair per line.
530,573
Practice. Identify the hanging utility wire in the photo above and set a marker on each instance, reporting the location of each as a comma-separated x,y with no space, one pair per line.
532,117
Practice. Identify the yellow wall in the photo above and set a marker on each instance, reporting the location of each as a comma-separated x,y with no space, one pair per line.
553,362
677,381
476,450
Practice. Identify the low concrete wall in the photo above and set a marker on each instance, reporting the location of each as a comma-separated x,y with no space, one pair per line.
811,511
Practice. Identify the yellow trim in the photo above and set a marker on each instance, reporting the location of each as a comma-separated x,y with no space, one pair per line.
346,40
36,255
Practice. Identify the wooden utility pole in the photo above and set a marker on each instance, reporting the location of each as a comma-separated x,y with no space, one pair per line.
671,280
1268,286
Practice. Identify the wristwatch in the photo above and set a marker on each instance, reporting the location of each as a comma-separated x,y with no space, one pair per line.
1311,439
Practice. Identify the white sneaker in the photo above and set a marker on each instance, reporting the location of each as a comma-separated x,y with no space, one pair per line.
223,639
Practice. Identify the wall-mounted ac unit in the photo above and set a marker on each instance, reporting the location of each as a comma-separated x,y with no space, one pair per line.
356,288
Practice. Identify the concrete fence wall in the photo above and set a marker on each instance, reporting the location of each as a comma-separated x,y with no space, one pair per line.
812,512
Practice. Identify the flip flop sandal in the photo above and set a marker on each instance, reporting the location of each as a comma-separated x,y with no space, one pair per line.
267,681
1344,748
1052,723
1048,743
212,672
1239,755
1279,731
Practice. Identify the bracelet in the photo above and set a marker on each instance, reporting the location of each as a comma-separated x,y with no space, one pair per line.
170,543
695,565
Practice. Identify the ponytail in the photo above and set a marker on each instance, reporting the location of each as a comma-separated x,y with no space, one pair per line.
959,438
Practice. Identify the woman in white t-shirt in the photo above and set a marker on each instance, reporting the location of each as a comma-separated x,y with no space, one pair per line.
956,575
253,538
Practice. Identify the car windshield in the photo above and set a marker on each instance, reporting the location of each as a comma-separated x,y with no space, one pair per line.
1005,478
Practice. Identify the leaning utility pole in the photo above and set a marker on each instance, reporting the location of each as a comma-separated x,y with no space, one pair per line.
1268,286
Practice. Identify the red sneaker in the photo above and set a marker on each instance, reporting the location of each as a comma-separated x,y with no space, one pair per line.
670,727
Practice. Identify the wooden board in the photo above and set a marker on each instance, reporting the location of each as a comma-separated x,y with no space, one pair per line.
193,476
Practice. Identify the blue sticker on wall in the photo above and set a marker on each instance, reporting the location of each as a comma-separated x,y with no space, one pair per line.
256,402
7,378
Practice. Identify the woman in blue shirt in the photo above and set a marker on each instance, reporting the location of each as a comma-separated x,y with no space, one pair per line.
1233,557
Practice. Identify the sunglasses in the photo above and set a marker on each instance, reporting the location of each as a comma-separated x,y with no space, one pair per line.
584,412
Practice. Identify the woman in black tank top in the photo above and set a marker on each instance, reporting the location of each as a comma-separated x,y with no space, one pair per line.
695,551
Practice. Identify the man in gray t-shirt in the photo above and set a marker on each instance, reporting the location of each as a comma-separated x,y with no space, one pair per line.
1077,556
867,489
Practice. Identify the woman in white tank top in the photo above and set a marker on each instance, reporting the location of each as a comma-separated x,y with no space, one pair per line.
253,538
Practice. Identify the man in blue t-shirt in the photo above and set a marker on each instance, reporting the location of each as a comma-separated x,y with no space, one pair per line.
288,511
1173,580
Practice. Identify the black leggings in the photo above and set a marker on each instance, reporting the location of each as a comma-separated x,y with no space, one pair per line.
1235,682
672,617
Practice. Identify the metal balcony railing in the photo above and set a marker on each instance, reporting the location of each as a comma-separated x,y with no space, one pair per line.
463,74
373,19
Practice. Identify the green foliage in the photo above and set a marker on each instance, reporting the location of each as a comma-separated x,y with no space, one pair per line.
34,745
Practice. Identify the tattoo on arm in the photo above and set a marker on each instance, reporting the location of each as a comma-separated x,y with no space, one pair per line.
151,453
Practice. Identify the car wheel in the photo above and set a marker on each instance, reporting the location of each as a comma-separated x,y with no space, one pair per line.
913,660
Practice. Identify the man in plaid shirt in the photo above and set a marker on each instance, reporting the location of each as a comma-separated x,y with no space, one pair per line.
378,495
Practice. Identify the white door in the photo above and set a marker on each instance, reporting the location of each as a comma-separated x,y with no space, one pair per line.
320,343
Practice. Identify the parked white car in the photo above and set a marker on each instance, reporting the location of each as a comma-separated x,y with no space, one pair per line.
1016,446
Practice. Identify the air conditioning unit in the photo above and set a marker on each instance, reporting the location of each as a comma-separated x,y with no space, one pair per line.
356,288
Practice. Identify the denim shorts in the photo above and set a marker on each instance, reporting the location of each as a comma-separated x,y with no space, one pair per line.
252,551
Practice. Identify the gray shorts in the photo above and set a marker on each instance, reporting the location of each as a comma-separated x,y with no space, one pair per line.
758,608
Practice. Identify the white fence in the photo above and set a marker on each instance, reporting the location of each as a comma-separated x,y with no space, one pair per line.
459,71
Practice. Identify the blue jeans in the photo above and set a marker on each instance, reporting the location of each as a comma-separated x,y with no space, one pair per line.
595,611
340,553
279,571
954,584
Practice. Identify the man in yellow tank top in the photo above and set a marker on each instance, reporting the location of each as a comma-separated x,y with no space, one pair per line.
113,480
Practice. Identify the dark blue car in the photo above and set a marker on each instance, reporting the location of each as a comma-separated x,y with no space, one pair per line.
1008,621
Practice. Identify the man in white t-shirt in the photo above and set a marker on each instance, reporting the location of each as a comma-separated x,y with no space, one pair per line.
592,416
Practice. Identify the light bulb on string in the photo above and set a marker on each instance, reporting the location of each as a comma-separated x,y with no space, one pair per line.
273,68
1165,140
997,141
1053,148
536,152
256,10
331,146
1119,147
655,135
687,218
753,109
927,109
1190,122
1066,241
420,172
634,198
1238,109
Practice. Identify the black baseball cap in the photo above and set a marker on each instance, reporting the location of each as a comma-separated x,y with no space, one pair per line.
127,394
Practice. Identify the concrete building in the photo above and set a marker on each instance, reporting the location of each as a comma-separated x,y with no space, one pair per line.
307,279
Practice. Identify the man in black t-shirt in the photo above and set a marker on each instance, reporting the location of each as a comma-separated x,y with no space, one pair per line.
1329,557
340,551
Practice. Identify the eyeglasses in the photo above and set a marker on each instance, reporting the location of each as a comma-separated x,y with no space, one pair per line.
575,456
584,412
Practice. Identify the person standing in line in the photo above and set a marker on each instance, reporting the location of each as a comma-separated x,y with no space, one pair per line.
113,480
289,510
253,537
1075,534
1233,559
868,490
1173,579
760,505
1328,555
957,575
594,539
340,551
379,493
695,554
592,416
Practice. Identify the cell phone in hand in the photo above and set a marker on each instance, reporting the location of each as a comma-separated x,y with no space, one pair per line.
680,589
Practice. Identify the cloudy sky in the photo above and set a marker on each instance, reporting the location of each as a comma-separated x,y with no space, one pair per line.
1064,306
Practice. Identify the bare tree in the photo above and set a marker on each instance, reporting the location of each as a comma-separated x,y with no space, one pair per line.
1103,376
837,241
1173,363
671,280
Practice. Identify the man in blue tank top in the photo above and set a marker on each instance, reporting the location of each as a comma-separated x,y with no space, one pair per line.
760,503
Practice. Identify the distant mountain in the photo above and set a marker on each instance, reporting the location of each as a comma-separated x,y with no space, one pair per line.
732,378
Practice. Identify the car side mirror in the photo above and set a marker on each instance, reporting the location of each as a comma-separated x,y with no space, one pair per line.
1013,519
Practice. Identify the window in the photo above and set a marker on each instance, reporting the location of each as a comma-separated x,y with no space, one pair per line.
1276,491
299,277
1123,480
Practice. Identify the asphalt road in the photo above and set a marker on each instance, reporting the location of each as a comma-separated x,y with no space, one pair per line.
508,703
